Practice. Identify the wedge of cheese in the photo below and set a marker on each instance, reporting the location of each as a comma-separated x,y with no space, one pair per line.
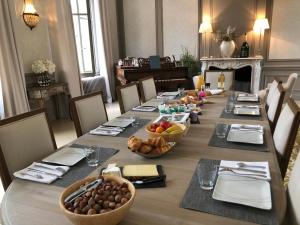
140,171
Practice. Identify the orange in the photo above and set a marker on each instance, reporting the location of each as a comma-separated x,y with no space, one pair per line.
159,129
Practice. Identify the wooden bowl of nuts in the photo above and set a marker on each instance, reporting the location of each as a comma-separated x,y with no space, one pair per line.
106,204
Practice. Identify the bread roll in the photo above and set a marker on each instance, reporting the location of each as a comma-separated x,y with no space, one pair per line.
134,143
145,149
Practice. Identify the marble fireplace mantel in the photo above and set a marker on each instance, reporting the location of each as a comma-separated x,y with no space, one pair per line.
237,63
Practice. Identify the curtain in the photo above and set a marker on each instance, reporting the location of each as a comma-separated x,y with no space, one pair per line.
63,45
11,68
106,37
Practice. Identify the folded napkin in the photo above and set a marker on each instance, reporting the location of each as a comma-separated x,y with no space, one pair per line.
106,131
154,102
41,172
215,91
166,97
249,166
144,108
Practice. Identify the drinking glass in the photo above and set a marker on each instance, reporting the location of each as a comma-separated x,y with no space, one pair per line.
136,121
181,91
221,130
206,176
92,156
229,107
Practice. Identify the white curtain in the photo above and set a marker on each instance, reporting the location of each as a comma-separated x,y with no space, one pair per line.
63,45
106,42
11,68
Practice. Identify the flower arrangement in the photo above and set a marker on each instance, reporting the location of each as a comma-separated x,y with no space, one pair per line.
227,36
42,66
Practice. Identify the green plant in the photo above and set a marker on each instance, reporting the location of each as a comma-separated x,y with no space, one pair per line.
189,60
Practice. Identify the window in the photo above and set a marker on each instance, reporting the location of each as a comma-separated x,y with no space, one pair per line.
83,36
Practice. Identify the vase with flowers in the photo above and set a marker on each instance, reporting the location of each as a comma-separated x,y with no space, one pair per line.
227,46
43,68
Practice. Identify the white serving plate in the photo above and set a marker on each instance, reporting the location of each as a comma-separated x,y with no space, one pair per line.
142,108
247,98
67,156
179,118
172,93
242,135
246,110
243,190
119,122
153,102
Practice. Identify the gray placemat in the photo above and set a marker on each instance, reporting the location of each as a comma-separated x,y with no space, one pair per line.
81,169
239,117
130,130
223,143
201,200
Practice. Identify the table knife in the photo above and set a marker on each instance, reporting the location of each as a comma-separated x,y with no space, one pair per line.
242,169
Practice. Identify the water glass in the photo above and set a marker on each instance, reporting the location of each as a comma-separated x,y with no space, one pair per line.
136,121
92,157
229,107
181,91
206,176
221,130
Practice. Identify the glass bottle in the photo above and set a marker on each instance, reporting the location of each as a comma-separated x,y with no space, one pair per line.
245,48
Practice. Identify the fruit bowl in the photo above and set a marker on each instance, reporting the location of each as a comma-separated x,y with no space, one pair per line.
170,135
108,218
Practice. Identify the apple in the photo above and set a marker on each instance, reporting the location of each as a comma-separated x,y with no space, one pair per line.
165,124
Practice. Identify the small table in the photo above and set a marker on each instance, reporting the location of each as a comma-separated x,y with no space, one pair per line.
38,96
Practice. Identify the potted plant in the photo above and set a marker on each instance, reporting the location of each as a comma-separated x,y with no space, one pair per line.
43,68
227,46
190,61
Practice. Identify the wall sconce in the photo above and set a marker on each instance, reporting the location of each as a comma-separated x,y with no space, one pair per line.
30,15
259,26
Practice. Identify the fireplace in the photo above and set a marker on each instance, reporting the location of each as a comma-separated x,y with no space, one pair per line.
247,71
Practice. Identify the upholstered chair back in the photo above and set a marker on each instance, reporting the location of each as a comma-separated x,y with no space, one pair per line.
288,86
88,112
24,139
147,89
128,97
272,89
285,133
275,106
293,192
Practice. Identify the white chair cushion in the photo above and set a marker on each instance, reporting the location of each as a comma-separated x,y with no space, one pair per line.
273,105
91,112
149,89
283,129
294,194
25,141
272,89
130,97
289,85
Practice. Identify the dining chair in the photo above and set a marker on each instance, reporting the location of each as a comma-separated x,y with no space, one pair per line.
24,139
293,195
147,88
285,133
275,106
267,93
128,97
211,76
288,86
88,112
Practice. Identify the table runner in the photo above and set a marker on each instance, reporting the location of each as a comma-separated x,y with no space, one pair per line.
223,143
81,169
201,200
239,117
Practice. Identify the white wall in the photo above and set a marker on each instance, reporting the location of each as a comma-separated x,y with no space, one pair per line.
139,26
180,26
285,33
33,44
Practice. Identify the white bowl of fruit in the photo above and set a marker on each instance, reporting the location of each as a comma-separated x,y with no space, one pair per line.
170,131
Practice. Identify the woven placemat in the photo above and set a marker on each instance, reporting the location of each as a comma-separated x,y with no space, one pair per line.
201,200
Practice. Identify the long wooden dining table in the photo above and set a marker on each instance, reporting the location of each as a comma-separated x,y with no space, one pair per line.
29,203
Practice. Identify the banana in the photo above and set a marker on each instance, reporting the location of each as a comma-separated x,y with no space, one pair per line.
174,128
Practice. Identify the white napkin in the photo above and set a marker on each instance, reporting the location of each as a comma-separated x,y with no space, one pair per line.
233,164
215,91
144,109
99,131
153,102
47,173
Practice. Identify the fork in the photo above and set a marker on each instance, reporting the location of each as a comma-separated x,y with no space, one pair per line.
243,174
38,176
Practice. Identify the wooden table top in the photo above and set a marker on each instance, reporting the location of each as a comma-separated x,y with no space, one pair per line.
29,203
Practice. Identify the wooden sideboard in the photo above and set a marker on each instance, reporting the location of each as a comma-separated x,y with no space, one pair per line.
166,79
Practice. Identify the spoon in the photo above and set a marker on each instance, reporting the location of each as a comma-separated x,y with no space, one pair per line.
243,165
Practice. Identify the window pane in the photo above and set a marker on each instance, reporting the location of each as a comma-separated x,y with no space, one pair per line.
74,6
85,43
78,42
82,6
